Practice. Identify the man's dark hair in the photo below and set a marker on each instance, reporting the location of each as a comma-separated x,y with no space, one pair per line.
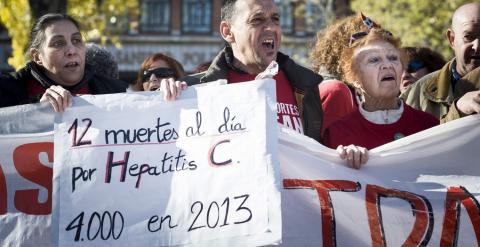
228,8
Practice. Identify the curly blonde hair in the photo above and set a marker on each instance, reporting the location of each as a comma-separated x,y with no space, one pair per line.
331,42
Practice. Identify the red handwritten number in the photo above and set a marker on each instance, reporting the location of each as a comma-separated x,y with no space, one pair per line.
73,129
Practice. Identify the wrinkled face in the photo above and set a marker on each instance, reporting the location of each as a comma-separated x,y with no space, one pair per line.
378,69
466,42
153,82
62,54
257,34
408,78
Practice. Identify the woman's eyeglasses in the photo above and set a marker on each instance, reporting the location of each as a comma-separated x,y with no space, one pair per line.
414,65
369,23
356,36
360,35
158,72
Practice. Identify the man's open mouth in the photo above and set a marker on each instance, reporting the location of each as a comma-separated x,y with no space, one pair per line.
268,43
476,57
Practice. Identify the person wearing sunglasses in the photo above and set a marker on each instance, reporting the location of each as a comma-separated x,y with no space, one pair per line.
422,61
159,70
447,93
373,63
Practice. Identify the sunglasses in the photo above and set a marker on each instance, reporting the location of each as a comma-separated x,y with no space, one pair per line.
158,72
414,65
360,35
356,36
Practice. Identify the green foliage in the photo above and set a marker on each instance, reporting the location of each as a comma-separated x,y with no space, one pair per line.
417,22
97,21
15,16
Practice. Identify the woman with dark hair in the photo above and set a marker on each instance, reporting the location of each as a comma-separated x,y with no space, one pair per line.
156,67
421,61
373,63
57,68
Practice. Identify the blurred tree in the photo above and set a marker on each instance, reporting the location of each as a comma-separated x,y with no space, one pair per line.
41,7
97,17
418,23
101,19
15,16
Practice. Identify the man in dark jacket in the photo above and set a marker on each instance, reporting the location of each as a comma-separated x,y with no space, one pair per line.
251,29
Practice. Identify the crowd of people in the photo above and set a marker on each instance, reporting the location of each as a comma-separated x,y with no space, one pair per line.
365,89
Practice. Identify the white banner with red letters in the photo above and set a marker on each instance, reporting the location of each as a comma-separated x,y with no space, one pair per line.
421,190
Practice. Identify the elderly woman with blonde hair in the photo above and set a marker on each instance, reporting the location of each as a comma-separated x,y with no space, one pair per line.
373,63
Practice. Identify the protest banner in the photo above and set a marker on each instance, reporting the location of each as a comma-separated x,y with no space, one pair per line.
199,170
26,162
421,190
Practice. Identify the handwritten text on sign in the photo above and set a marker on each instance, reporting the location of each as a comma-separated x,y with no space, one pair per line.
139,170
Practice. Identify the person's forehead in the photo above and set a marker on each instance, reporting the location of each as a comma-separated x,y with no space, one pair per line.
375,48
470,25
467,19
250,7
159,63
61,27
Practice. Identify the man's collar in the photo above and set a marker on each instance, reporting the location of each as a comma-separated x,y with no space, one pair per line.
229,58
455,75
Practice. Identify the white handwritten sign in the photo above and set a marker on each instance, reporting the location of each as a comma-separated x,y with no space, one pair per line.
132,169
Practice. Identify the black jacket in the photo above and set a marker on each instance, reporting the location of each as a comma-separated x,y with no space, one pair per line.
304,83
13,87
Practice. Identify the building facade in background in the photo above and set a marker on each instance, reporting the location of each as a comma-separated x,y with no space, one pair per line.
188,30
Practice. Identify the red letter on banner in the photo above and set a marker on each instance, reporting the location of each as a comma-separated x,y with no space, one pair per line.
323,188
3,193
455,196
421,208
25,158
